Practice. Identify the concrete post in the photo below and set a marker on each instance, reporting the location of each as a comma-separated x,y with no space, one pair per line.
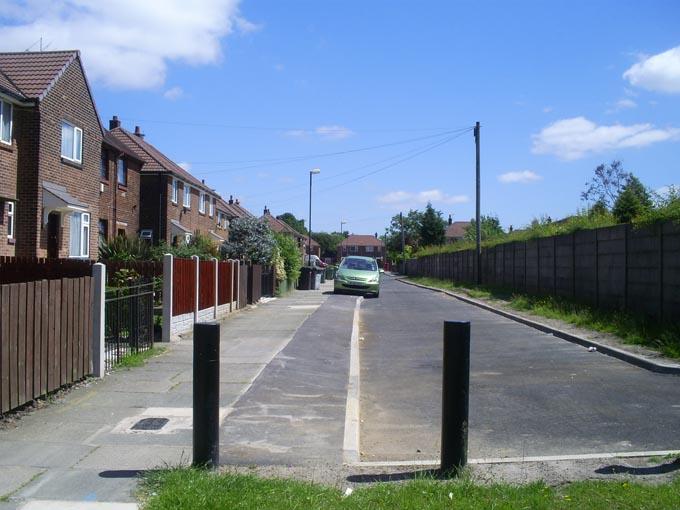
217,286
167,296
98,320
238,284
197,286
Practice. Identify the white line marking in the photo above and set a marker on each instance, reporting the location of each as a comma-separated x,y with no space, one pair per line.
350,447
510,460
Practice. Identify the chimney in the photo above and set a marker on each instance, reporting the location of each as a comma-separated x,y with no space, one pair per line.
237,202
114,122
138,132
202,181
266,211
376,235
231,199
450,219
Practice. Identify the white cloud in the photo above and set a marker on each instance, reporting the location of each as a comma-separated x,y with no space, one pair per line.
333,132
660,73
173,94
579,137
547,109
523,176
421,197
622,104
126,44
186,166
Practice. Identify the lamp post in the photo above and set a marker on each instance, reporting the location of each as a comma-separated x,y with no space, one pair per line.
342,222
312,172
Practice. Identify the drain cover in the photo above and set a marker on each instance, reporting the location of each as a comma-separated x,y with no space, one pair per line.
150,424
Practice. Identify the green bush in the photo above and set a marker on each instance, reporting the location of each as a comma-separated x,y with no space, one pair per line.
291,254
124,248
200,245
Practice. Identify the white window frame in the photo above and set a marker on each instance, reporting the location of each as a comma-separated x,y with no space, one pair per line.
175,190
212,207
369,249
10,220
76,130
186,196
84,233
188,237
201,202
7,140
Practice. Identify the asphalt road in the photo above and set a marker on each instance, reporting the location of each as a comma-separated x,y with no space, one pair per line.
531,394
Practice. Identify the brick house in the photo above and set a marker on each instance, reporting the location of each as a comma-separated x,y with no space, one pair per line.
281,226
455,230
173,204
119,175
50,151
363,246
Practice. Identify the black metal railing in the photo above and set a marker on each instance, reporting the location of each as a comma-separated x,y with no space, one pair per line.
129,322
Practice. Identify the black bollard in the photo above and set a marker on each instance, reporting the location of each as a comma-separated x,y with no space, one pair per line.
455,396
206,395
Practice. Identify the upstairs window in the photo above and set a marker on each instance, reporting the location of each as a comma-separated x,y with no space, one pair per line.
10,220
122,172
187,195
175,190
201,202
104,166
80,235
71,142
212,207
369,249
5,122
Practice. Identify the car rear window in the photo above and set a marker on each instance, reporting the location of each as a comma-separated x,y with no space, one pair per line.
360,264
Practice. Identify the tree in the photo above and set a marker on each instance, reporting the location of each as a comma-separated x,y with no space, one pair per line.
606,184
490,228
633,201
292,221
392,237
249,239
329,242
432,227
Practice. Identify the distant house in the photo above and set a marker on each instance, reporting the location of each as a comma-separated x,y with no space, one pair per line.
362,245
455,230
50,153
281,226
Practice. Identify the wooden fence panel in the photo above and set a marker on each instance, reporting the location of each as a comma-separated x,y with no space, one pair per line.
25,269
183,286
5,404
224,290
243,290
206,284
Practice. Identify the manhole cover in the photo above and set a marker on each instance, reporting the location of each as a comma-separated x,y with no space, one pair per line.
150,424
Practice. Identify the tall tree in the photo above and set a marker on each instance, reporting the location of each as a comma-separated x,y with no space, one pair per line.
329,242
432,227
291,220
392,237
490,228
606,184
633,200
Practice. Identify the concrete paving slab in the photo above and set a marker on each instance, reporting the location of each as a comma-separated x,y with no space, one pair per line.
137,456
13,478
41,454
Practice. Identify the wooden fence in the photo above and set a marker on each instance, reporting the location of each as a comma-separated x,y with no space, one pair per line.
225,290
183,285
45,337
24,269
206,284
147,269
620,267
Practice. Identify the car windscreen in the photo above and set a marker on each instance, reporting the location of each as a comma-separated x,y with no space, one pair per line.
359,265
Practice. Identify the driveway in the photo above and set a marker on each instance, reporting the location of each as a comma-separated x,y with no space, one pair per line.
531,394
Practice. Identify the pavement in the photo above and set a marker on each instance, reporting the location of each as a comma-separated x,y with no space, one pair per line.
531,394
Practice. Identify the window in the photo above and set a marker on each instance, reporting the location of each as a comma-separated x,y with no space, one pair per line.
122,172
104,166
71,142
187,237
80,235
212,207
187,195
201,202
10,220
103,231
121,232
369,249
352,248
5,122
175,190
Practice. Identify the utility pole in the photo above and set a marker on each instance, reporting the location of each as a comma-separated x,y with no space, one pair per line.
478,225
342,222
403,257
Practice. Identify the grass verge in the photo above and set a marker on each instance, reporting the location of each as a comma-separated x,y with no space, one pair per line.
186,488
138,359
631,329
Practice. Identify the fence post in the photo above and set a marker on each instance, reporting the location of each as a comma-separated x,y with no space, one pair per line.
238,284
98,320
455,396
206,395
217,286
197,270
231,286
167,296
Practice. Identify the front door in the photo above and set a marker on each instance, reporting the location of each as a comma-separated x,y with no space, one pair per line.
53,224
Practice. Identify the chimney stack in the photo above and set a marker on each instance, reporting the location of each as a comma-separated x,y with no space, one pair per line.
138,132
266,211
114,122
450,219
376,235
231,199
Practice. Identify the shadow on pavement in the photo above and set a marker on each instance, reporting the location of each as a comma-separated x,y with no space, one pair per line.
122,473
429,474
661,469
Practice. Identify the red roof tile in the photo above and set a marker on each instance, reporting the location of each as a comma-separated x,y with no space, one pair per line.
33,73
361,240
456,230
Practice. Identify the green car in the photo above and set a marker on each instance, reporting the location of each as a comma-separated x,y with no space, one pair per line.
358,274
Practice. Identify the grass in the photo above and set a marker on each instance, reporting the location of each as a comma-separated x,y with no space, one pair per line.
632,329
186,488
138,359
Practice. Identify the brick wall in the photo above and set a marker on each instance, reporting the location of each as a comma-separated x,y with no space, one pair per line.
8,188
118,204
152,204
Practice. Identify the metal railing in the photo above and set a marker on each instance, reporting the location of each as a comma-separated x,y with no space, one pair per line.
129,326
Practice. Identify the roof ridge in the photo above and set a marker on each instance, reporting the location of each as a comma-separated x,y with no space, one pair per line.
32,52
136,140
74,54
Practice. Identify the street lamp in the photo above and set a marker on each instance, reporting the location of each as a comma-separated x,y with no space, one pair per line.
342,222
313,171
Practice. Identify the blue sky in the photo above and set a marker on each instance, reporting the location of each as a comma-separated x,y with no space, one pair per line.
232,89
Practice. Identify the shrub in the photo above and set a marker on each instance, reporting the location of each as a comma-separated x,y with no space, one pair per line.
124,248
249,239
291,255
